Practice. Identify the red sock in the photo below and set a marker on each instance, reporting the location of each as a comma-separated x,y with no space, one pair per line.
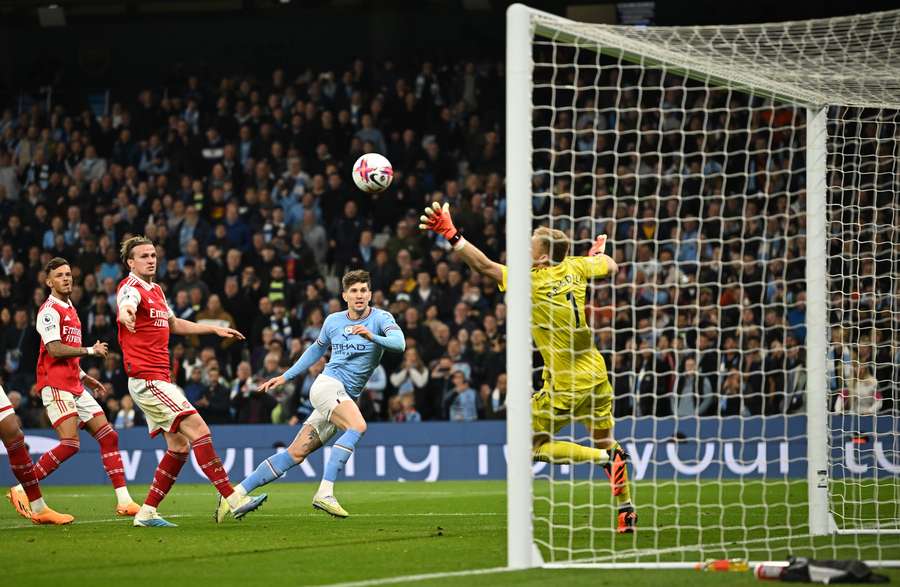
110,455
165,476
22,467
53,458
211,465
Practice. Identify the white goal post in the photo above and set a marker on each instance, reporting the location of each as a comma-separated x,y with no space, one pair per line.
708,150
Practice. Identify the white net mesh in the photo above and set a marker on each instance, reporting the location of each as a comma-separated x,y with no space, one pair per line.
687,146
864,316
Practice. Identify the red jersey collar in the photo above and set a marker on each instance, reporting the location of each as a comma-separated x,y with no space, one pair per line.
147,286
56,300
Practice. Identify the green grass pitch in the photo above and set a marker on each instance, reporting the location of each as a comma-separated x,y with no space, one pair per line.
399,529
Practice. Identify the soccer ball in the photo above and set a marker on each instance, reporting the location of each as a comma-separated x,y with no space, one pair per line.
372,173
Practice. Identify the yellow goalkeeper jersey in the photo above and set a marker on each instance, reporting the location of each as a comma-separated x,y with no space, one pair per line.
571,361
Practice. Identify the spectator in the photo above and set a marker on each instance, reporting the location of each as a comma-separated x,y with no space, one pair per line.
214,404
493,401
412,375
408,406
113,373
861,396
460,401
439,384
395,410
195,387
694,394
301,393
731,395
127,416
190,279
252,406
283,326
215,315
19,345
371,398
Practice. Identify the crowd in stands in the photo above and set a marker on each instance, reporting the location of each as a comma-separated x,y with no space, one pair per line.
245,185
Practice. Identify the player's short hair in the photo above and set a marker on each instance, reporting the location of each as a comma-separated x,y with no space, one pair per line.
129,244
553,242
357,276
54,263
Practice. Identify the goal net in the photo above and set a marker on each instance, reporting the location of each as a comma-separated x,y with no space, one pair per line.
746,177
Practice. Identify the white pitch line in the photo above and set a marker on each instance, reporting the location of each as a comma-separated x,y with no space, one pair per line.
657,551
123,519
348,491
416,578
291,515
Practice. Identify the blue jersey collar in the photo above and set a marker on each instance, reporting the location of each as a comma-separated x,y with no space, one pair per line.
363,317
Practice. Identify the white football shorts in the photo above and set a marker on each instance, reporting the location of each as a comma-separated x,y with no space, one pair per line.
62,405
163,403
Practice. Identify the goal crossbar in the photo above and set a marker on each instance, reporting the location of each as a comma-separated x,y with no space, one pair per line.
831,81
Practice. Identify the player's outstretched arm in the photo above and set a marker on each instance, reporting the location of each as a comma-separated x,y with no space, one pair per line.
437,219
128,299
185,327
310,357
272,383
597,252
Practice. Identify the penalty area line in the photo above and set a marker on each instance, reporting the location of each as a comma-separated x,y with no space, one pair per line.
423,577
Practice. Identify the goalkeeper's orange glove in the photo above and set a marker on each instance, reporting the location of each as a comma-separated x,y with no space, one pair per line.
437,219
598,246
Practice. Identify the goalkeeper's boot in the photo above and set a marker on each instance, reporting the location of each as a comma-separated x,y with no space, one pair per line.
51,517
250,503
627,520
617,469
222,510
328,504
19,500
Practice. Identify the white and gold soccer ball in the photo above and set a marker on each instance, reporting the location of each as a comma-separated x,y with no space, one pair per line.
372,173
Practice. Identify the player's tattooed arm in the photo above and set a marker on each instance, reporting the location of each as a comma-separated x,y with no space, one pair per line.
58,350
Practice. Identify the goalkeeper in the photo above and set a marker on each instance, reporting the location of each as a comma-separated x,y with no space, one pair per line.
575,381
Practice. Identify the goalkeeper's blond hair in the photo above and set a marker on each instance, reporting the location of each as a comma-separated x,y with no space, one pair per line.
554,243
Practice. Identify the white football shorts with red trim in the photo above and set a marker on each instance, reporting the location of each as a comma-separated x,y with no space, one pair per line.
62,404
163,403
6,408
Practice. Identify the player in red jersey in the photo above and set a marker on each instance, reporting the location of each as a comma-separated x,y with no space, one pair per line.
23,468
145,322
61,383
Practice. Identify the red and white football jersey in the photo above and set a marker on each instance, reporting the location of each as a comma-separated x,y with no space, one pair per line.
146,350
58,320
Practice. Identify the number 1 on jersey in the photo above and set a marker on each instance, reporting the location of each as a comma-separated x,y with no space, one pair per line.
574,309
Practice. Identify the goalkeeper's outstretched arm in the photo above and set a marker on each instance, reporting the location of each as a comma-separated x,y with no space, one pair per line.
478,261
437,219
597,252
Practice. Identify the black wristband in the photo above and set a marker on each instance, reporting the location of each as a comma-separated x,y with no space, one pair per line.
455,238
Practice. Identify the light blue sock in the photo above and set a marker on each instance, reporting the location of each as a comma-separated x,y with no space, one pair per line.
340,454
270,469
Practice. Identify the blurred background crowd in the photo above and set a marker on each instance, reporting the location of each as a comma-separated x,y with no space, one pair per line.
244,183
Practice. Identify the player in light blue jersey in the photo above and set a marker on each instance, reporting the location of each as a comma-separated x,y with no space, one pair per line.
357,339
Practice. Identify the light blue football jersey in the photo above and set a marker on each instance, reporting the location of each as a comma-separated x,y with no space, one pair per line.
353,358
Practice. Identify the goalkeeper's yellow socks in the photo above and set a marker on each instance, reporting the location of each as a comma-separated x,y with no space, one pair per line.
565,453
